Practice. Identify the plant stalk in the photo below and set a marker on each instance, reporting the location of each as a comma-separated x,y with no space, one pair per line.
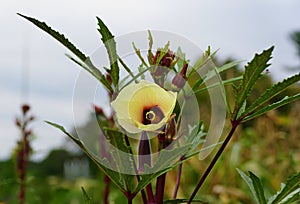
234,125
151,199
160,188
178,179
136,171
106,189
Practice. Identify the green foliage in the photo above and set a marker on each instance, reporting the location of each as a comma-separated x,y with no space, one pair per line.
271,93
86,198
150,54
138,53
110,44
116,177
59,37
275,105
94,71
290,192
124,162
85,61
253,71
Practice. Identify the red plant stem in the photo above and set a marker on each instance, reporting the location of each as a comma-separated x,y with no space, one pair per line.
106,189
22,193
151,199
234,125
178,179
22,174
160,188
23,155
161,180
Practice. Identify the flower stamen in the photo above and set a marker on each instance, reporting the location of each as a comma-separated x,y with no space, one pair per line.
152,115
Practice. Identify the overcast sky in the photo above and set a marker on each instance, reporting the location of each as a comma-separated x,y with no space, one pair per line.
237,28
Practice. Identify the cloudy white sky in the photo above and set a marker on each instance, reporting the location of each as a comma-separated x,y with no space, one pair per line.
237,28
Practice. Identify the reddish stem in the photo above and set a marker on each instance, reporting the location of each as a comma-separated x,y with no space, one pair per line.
151,199
160,188
106,189
214,160
178,179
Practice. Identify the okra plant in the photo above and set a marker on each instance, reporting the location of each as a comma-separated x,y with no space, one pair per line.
153,125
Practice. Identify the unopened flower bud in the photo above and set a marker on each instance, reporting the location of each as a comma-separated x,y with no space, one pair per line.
108,78
179,80
98,110
166,60
17,122
28,132
25,108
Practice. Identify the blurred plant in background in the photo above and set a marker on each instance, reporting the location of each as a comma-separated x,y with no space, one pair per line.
23,150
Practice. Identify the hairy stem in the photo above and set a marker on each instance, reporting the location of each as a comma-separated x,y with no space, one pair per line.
234,125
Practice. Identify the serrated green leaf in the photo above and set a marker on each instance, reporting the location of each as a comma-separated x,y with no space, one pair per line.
86,63
88,66
138,53
126,67
163,51
115,177
258,188
195,137
223,68
249,182
181,59
294,198
176,201
162,165
272,92
150,54
59,37
291,187
61,128
110,45
198,83
282,102
224,82
123,158
252,73
139,74
228,66
242,109
219,70
86,198
147,178
202,61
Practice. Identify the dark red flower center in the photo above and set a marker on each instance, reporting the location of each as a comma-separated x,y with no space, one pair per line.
152,115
